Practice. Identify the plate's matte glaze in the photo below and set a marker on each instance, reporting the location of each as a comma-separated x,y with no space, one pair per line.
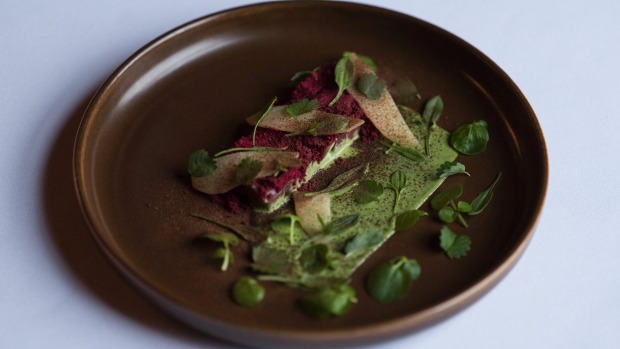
192,88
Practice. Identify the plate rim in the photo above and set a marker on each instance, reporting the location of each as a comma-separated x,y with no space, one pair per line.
364,333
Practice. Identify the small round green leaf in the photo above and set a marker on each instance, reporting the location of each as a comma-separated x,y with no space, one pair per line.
470,139
447,214
247,292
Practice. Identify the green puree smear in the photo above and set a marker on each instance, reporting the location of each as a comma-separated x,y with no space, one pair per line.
328,259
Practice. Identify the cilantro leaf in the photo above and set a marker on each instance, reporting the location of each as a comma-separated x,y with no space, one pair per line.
455,245
302,106
200,164
344,75
371,86
450,168
247,170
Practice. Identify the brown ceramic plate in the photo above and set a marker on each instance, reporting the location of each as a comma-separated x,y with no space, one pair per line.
192,88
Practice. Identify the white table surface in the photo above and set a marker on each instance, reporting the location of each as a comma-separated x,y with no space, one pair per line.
58,290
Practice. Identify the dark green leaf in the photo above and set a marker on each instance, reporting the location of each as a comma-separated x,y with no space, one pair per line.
340,225
247,292
392,280
200,164
331,301
371,86
367,191
482,200
442,199
405,92
344,75
302,106
363,241
263,113
455,246
344,179
314,259
407,152
247,170
470,139
407,219
447,214
432,110
450,168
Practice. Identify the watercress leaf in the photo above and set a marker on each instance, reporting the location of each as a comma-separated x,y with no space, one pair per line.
329,301
247,292
363,241
482,200
200,164
263,113
247,170
442,199
368,191
432,110
314,258
463,207
405,92
344,74
365,59
407,219
302,106
392,280
447,214
371,86
470,139
455,245
450,168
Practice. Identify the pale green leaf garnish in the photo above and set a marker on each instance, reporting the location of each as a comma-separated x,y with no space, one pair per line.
264,112
344,75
